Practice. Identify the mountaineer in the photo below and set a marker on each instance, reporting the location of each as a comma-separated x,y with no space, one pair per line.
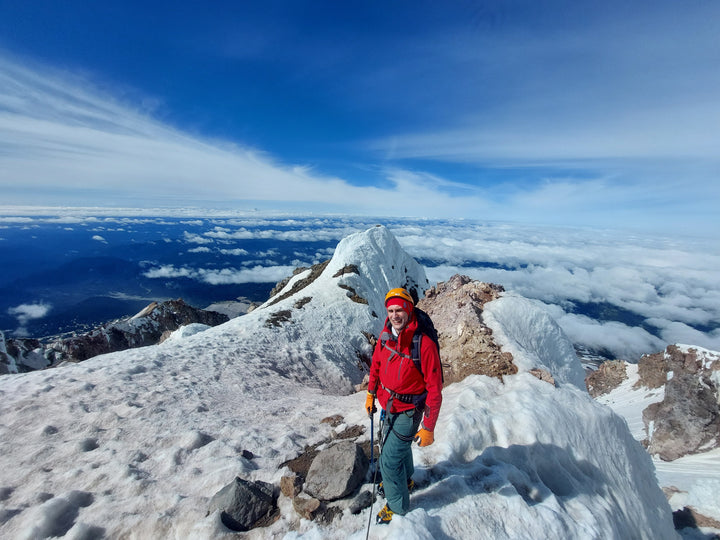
406,377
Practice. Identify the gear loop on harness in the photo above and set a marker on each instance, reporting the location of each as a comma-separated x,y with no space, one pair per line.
391,422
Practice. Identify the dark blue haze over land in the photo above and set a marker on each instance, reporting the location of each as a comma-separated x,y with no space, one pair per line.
617,295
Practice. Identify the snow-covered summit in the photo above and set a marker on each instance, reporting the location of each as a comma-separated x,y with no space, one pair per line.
314,330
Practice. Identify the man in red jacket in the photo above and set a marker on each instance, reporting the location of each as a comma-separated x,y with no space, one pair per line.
408,396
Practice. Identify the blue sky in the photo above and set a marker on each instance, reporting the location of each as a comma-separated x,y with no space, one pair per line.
603,114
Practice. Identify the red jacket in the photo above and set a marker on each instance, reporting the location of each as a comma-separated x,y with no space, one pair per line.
390,371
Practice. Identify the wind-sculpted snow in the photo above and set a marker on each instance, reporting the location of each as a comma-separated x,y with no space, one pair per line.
534,338
540,462
527,460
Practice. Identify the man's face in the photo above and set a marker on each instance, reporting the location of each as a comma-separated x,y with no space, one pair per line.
398,317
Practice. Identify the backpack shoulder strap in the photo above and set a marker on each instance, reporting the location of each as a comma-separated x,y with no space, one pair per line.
415,350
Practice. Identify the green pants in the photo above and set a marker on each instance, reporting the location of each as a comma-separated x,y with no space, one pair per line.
396,461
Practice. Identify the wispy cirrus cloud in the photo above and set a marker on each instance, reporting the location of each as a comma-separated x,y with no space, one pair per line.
570,113
67,141
62,134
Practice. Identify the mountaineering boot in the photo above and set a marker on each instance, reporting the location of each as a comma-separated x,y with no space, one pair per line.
381,489
384,516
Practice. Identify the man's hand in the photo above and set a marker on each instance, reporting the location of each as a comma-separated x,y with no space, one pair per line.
370,404
424,437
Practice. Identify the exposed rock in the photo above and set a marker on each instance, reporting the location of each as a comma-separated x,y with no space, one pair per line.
687,420
145,328
335,420
337,471
301,464
306,506
352,432
18,355
290,485
606,378
299,285
364,384
352,294
278,318
347,269
652,371
361,501
327,514
689,517
245,505
466,343
543,375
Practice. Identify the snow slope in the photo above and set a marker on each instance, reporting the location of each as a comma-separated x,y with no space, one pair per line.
134,444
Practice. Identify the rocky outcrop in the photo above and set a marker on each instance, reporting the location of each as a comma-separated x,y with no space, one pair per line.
689,517
146,328
329,476
687,420
653,369
245,505
606,378
466,343
336,471
18,355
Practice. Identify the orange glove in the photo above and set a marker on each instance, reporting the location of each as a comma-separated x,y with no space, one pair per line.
424,437
370,404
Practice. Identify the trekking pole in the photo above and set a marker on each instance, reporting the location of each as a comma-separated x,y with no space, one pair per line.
372,450
372,453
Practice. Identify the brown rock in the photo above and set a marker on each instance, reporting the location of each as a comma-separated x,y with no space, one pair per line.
687,420
306,506
335,420
543,375
607,377
291,485
466,343
689,517
149,327
652,371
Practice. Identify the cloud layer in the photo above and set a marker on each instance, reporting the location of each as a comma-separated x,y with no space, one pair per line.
672,286
627,295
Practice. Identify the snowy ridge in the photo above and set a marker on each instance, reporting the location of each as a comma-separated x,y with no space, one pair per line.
324,327
534,338
134,444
